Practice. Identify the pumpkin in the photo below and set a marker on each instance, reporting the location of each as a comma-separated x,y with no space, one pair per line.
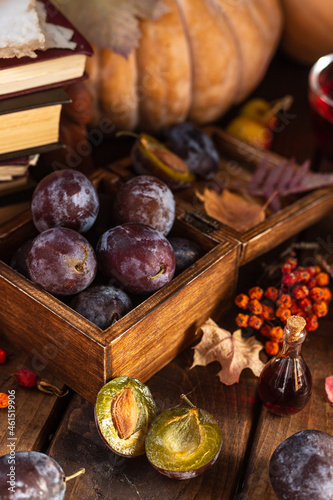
192,63
308,29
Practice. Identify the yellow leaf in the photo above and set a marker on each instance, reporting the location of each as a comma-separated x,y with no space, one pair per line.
232,351
232,209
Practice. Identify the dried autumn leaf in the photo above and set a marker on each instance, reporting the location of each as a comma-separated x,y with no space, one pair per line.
284,179
232,209
329,387
112,24
233,352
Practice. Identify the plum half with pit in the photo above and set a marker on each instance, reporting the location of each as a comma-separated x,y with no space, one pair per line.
148,200
62,261
103,305
139,257
183,442
124,410
31,475
151,157
65,198
301,467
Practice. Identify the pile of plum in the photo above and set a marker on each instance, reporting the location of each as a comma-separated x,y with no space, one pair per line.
134,256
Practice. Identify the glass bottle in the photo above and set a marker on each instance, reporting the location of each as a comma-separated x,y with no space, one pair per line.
285,383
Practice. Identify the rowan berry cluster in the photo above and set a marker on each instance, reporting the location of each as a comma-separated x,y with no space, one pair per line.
302,291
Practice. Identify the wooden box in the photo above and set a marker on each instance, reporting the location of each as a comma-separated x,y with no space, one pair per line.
85,357
297,214
238,161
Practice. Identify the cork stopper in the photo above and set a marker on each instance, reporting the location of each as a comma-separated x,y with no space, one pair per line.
295,325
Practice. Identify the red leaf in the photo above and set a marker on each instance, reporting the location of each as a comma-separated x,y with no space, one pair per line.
329,388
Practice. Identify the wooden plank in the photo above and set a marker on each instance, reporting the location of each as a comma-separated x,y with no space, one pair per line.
36,413
317,351
318,414
77,443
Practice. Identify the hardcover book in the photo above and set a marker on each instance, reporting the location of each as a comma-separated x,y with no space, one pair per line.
52,67
30,121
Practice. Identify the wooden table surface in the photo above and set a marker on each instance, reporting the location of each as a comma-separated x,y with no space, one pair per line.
65,429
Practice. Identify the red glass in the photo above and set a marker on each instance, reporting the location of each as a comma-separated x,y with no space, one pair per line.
321,101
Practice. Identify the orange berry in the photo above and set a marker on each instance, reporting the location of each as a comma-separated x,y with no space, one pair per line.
320,309
265,331
292,261
4,400
267,312
311,270
255,307
317,294
283,313
242,320
300,292
271,347
276,334
322,279
242,300
271,293
311,323
256,292
327,295
284,300
295,309
305,304
255,322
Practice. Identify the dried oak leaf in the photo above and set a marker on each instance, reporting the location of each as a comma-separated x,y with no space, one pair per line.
233,352
112,24
232,209
329,387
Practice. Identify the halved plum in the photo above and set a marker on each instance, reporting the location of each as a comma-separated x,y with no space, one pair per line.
124,410
183,442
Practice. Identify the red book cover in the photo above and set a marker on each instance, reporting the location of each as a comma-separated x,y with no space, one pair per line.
83,47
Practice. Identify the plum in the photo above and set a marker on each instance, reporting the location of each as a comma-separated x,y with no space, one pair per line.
138,256
186,252
301,467
19,258
65,198
195,147
148,200
124,410
31,475
183,442
103,305
62,261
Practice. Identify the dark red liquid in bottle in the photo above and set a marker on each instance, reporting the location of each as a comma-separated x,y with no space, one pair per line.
285,385
321,102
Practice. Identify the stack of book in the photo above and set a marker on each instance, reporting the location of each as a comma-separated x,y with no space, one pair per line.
32,93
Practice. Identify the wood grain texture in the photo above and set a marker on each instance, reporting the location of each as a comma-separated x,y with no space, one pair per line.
317,351
36,413
77,443
85,357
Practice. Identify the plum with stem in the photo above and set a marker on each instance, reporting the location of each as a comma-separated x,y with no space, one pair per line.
139,257
62,261
32,475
